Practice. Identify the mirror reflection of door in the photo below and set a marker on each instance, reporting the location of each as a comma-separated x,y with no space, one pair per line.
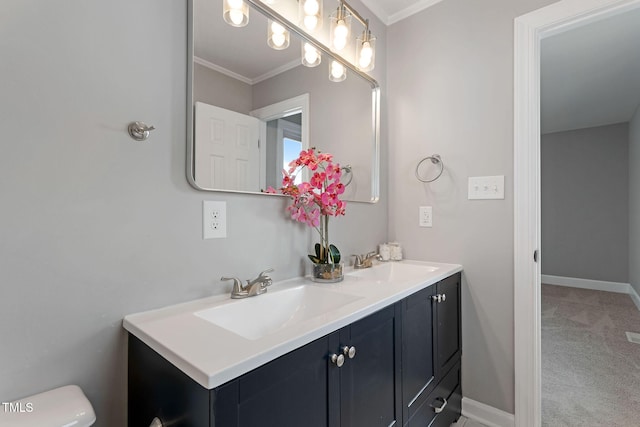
228,149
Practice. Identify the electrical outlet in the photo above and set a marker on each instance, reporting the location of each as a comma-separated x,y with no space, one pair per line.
214,220
426,216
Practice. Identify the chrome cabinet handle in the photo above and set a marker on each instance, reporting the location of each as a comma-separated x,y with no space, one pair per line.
444,297
349,351
439,409
337,359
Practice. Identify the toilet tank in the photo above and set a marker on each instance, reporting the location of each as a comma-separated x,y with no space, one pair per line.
63,407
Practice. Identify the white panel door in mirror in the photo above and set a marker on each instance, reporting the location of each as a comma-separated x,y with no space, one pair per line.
227,147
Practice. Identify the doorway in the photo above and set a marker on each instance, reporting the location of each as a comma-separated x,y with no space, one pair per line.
530,29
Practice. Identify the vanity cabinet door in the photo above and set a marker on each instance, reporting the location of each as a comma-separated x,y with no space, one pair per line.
418,364
448,331
369,397
290,391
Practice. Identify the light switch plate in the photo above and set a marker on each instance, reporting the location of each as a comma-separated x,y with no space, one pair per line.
486,187
214,219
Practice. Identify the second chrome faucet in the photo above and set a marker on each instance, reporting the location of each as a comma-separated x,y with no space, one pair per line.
253,287
365,261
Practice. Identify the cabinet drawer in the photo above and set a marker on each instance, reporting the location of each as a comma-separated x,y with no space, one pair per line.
426,414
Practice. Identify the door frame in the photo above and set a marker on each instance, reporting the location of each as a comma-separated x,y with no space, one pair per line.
529,30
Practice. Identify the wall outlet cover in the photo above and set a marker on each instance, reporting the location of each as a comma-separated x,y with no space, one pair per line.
214,219
425,216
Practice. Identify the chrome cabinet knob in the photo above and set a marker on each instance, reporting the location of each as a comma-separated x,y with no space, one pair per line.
439,297
337,359
349,351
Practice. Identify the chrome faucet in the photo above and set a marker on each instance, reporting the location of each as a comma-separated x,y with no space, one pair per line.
253,287
365,261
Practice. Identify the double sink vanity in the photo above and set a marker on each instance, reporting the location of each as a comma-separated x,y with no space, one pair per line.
381,348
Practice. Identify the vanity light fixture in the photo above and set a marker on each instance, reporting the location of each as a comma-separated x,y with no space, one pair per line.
365,44
337,71
277,35
340,28
311,56
310,14
235,12
366,51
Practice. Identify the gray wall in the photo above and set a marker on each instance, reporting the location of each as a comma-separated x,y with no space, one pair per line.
96,226
450,85
634,201
215,88
585,203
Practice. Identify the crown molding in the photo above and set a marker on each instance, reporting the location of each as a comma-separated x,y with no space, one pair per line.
285,67
411,10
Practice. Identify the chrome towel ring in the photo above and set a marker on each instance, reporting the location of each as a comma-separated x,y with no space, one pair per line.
348,170
436,160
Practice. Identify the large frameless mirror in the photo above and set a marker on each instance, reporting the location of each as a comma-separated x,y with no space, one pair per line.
252,108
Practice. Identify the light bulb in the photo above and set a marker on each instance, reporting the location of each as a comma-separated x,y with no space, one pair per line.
341,31
339,43
310,53
311,7
310,22
236,16
366,51
276,28
235,4
337,70
364,61
278,39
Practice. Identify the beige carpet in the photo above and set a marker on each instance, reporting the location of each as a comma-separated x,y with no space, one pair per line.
590,371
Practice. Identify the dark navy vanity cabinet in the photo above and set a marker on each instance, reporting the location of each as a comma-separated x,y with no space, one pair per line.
431,350
399,366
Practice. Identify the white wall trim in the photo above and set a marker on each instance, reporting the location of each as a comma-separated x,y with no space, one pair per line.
634,296
529,30
392,18
221,70
485,414
281,69
596,285
416,7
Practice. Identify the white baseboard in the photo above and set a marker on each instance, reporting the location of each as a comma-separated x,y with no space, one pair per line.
596,285
634,296
485,414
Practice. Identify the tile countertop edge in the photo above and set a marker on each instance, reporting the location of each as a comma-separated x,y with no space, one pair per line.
228,373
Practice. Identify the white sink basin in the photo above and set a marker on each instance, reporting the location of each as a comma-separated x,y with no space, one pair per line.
255,317
394,272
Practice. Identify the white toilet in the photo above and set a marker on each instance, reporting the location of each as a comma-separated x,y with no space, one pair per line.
62,407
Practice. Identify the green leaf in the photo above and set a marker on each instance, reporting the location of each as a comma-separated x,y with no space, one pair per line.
335,254
318,255
314,259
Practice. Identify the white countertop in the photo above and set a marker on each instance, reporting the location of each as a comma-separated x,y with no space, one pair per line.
212,355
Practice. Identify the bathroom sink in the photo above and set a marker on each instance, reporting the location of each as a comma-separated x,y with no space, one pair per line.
255,317
394,272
